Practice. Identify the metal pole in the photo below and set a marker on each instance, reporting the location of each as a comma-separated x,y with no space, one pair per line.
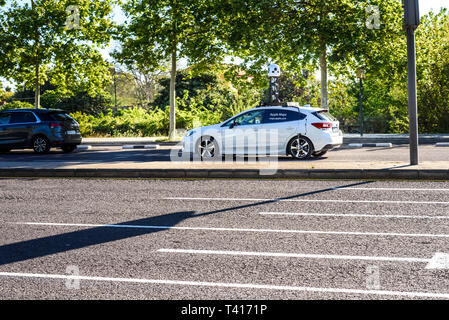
412,96
361,107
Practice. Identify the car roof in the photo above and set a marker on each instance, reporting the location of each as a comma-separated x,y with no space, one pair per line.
292,108
34,110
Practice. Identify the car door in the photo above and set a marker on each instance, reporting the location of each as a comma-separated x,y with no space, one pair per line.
281,125
20,128
4,122
240,134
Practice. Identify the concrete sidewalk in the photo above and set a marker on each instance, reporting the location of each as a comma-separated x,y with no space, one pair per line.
432,170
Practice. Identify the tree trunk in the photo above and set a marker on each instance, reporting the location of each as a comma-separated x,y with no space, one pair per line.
37,86
172,130
323,68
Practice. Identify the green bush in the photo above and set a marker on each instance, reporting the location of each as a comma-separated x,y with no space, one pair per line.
16,105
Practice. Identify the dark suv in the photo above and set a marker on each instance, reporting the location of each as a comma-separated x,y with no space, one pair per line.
39,129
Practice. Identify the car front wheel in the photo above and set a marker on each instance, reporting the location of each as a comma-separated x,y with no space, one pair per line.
300,148
41,145
207,148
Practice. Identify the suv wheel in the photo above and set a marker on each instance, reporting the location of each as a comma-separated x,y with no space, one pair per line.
68,148
41,145
207,148
300,148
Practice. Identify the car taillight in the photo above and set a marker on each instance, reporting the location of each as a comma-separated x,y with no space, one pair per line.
322,125
55,125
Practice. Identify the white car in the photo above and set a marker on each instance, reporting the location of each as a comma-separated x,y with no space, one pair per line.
301,132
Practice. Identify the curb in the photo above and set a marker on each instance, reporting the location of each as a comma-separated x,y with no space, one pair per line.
83,147
356,174
370,145
148,146
442,144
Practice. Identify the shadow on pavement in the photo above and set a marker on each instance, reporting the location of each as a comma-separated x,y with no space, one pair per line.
41,247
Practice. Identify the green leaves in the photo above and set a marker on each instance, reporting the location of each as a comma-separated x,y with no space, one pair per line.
155,27
37,36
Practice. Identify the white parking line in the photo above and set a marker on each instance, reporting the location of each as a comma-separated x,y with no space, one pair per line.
389,189
351,215
295,255
232,285
304,200
347,233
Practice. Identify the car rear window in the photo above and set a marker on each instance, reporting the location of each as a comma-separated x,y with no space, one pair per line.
55,116
59,116
324,115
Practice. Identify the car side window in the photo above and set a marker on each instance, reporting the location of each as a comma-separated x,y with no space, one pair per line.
22,117
250,118
278,115
4,118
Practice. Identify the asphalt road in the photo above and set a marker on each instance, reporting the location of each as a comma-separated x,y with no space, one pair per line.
117,154
223,239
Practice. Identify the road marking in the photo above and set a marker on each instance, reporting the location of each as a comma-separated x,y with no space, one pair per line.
295,255
351,215
305,200
439,261
389,189
232,285
378,234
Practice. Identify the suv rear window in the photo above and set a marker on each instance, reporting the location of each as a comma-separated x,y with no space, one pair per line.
55,116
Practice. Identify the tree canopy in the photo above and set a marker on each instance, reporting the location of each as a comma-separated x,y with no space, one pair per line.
59,34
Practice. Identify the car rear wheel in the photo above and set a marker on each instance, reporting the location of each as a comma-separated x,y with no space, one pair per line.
300,148
68,148
41,145
207,148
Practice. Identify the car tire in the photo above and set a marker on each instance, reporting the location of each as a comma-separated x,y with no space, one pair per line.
207,148
41,145
68,148
319,154
300,148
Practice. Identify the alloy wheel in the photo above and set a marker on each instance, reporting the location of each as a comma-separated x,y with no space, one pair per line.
300,148
40,145
207,148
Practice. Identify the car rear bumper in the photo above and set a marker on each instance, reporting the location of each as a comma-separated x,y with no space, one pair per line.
68,140
327,141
